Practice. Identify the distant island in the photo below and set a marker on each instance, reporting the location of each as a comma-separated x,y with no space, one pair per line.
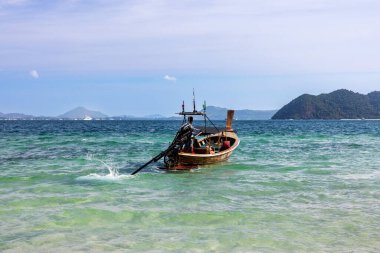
339,104
219,113
82,113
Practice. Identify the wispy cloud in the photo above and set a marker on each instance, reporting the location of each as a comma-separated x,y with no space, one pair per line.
243,35
33,73
4,3
170,78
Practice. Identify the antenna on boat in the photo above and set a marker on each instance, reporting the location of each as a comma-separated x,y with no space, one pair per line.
204,116
192,113
194,101
183,112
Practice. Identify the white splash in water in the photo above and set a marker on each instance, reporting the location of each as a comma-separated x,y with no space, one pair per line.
95,176
113,172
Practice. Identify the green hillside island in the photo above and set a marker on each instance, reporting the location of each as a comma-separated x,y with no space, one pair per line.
340,104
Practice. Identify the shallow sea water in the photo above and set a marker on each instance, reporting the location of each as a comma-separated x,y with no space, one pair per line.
291,186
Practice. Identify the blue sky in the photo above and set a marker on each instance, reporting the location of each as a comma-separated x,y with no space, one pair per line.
143,57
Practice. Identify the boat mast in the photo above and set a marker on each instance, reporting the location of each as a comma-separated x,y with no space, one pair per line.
204,116
194,110
183,112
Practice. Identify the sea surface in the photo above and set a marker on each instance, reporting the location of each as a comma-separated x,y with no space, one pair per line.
291,186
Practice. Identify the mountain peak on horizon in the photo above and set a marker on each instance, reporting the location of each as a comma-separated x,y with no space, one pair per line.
80,108
81,112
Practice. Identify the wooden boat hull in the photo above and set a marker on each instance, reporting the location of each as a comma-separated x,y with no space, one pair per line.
192,159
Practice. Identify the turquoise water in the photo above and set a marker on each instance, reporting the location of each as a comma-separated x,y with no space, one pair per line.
291,186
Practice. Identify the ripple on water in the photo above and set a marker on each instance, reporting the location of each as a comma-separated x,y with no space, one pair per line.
291,186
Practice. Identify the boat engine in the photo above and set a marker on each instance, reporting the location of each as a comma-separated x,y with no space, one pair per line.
171,153
171,156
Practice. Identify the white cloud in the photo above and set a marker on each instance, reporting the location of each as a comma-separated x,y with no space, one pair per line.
170,78
249,36
33,73
12,2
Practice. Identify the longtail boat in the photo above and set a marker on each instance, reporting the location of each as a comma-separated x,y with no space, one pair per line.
212,145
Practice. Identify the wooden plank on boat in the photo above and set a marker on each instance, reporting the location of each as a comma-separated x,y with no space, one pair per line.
211,130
